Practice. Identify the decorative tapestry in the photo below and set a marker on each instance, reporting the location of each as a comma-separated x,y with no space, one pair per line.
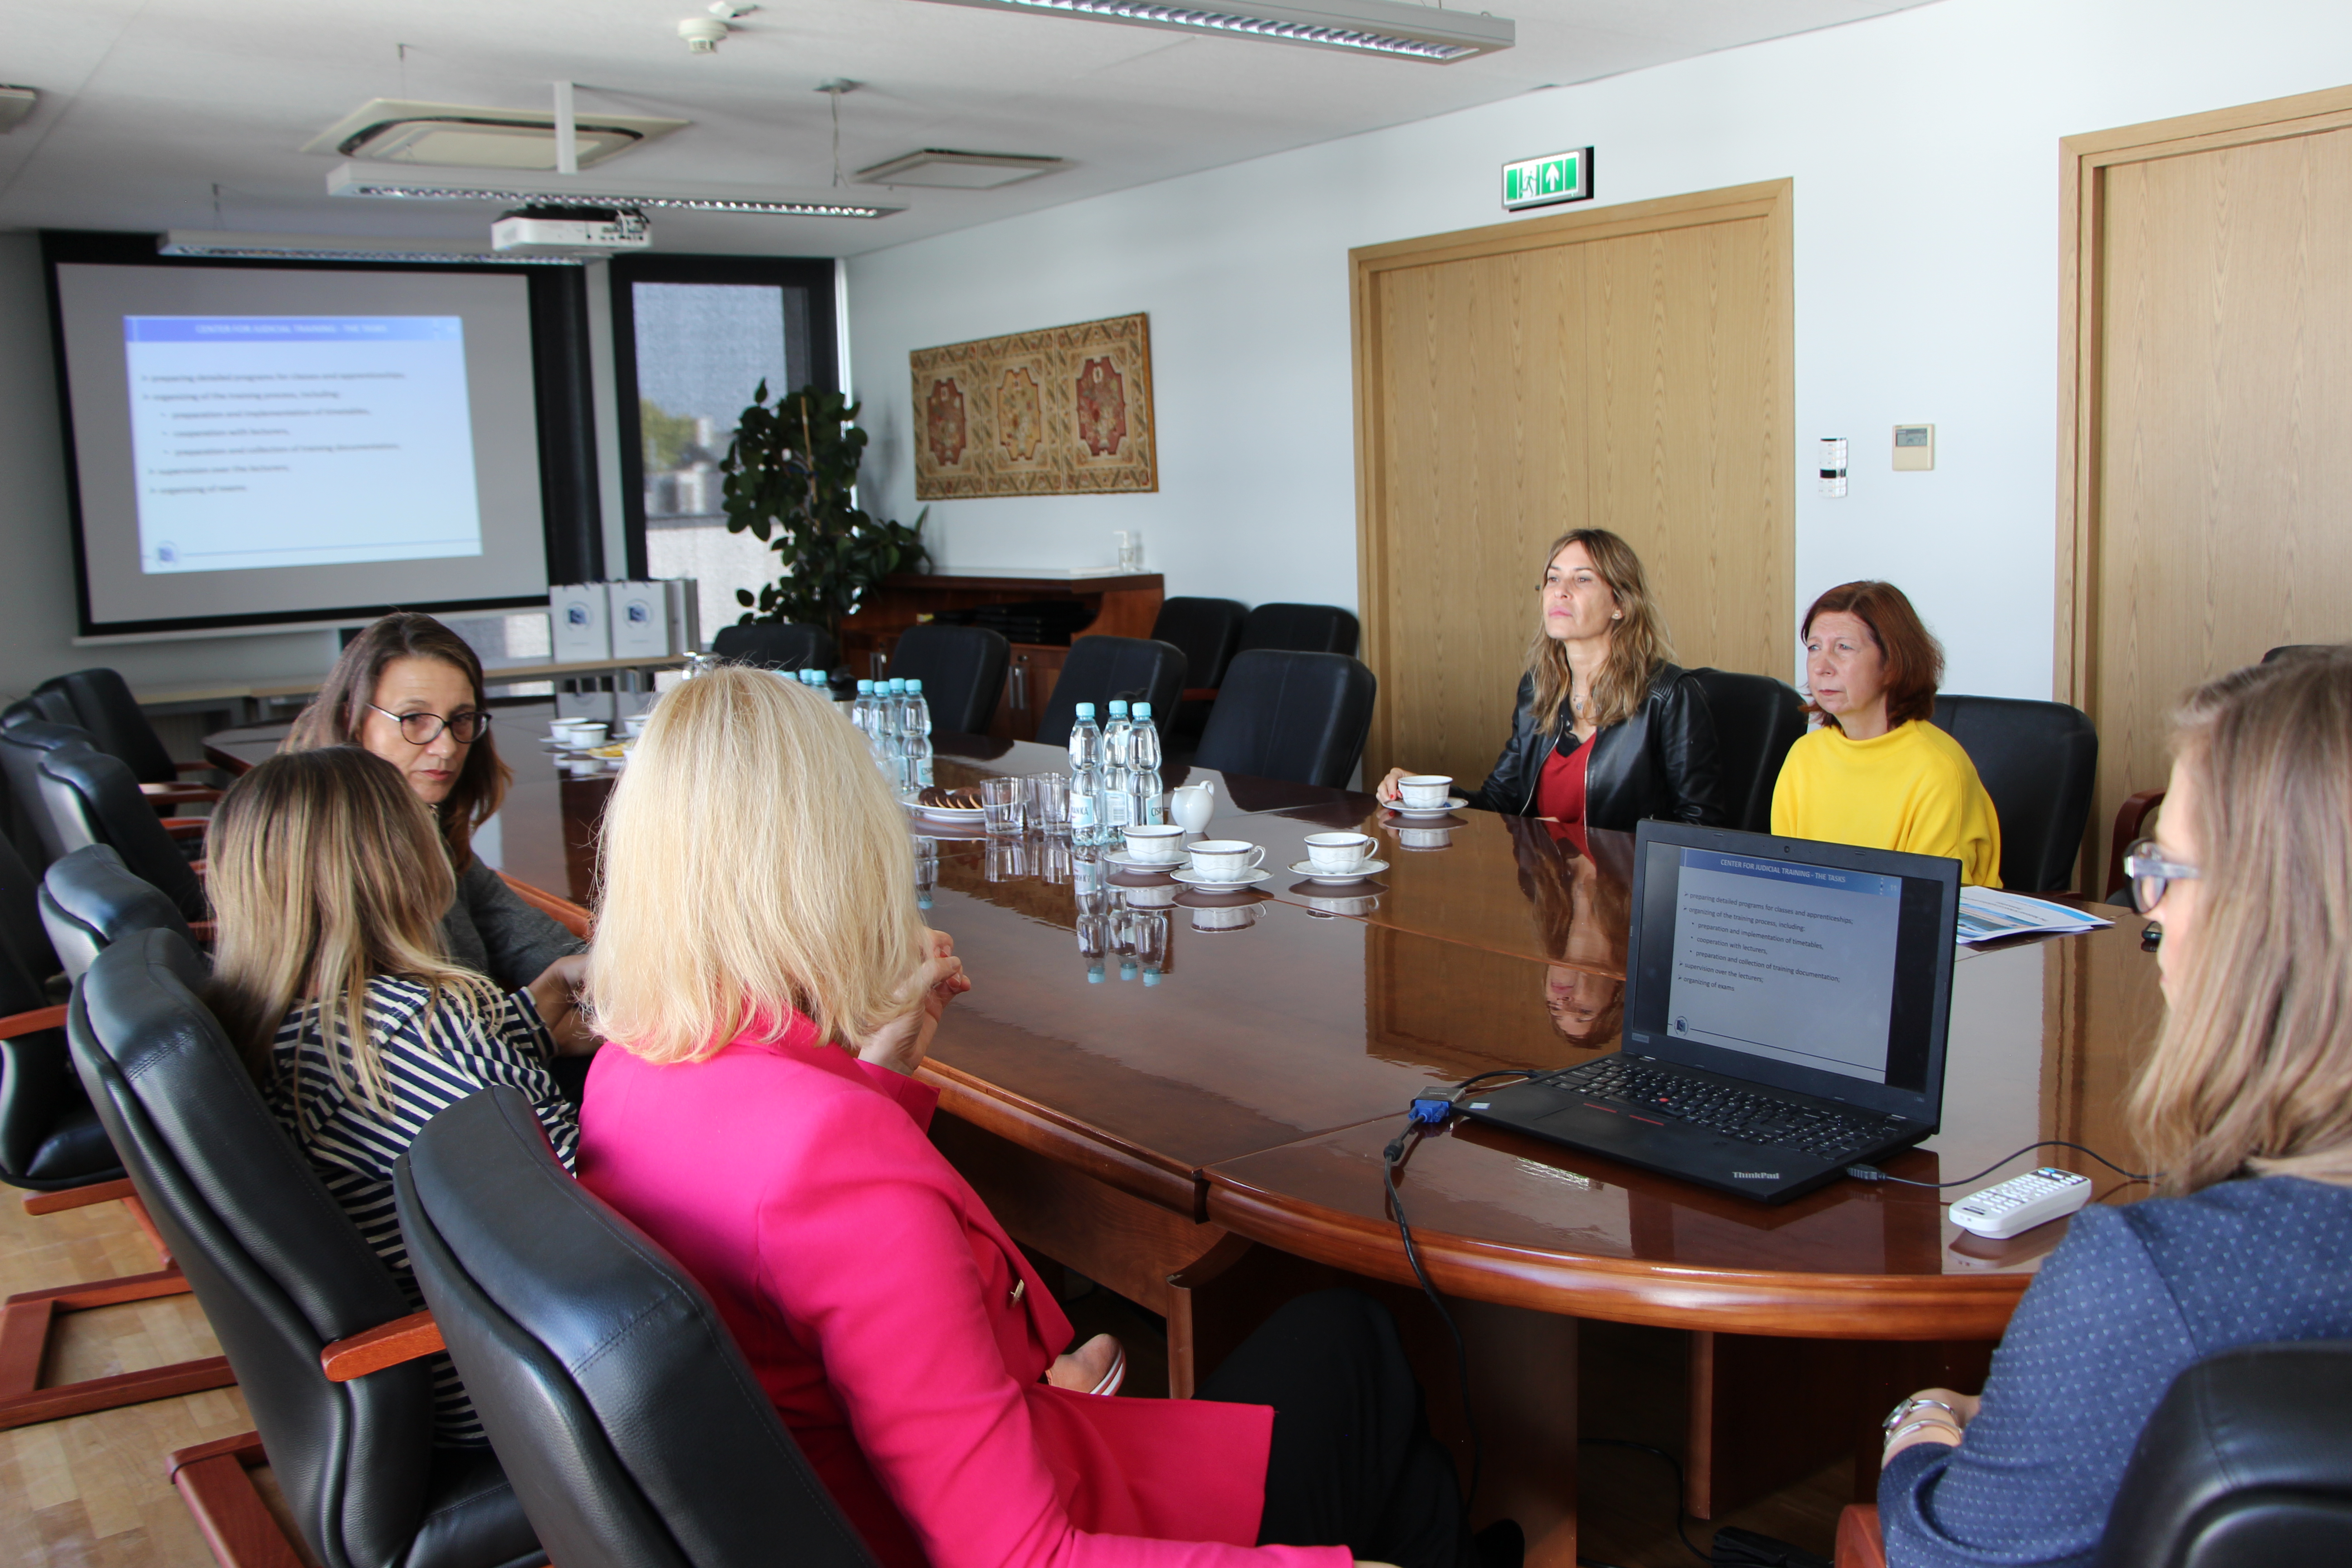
1062,411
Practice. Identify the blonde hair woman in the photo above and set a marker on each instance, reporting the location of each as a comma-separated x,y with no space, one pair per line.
768,991
329,883
2245,1109
1606,729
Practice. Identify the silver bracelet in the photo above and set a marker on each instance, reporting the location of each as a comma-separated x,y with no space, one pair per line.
1920,1425
1904,1407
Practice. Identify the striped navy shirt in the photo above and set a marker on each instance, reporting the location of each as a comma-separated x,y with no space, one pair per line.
432,1058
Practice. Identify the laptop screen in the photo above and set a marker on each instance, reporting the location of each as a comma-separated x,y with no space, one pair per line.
1819,967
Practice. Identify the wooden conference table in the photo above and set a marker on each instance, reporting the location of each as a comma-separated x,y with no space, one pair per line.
1207,1140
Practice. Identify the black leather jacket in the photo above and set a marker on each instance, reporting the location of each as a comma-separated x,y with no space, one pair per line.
1659,762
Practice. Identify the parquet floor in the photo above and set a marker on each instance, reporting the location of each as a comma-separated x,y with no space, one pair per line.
90,1492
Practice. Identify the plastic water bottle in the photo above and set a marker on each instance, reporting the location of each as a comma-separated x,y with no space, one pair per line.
861,711
1143,769
1088,812
918,742
1119,796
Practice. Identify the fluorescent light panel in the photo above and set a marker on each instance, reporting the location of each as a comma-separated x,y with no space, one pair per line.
1366,26
947,169
433,186
341,247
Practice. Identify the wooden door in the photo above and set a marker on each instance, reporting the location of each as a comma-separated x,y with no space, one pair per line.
2206,391
1624,368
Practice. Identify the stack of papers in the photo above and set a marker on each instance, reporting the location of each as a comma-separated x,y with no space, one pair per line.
1988,915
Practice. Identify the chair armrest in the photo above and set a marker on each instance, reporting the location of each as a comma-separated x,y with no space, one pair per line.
180,794
388,1344
18,1025
187,826
1199,694
571,917
80,1197
197,767
206,932
2130,818
1859,1544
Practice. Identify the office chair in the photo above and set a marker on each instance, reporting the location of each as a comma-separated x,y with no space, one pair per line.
2038,761
1209,633
2247,1463
777,645
323,1343
1300,628
89,901
627,1421
1301,717
103,704
1757,720
23,746
44,706
92,799
962,672
1101,668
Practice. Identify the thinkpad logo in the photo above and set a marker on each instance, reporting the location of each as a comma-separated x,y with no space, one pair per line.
1755,1175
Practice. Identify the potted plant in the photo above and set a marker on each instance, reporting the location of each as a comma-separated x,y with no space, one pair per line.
790,472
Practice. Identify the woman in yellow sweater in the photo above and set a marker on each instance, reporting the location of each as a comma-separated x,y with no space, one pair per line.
1877,772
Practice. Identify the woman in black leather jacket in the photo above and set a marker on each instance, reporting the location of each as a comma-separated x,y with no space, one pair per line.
1606,730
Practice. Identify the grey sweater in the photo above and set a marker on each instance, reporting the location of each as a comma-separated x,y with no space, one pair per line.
491,930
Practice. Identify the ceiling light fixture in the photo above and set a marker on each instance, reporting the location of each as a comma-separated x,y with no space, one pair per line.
16,102
947,169
1365,27
450,185
458,135
341,247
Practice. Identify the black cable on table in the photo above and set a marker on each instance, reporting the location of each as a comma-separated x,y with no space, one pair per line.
1873,1173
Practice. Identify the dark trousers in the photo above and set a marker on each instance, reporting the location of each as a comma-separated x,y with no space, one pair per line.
1352,1463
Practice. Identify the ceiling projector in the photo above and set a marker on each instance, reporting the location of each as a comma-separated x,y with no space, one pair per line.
543,229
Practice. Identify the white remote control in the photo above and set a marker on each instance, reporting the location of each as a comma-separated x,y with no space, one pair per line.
2015,1206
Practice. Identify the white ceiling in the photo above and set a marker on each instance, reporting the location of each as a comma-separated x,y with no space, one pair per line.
146,105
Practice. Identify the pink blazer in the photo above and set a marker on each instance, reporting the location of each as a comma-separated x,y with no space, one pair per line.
900,1332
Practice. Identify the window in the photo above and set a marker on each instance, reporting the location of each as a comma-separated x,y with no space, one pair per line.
694,336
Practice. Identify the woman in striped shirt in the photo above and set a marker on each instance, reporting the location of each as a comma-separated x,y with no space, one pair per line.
331,973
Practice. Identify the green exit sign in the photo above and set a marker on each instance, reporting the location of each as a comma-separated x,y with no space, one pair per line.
1554,177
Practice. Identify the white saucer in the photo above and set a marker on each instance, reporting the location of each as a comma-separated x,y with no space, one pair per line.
1364,868
1453,803
913,801
1121,857
1220,884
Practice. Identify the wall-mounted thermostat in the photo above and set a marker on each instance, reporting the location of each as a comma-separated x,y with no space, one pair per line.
1914,448
1832,467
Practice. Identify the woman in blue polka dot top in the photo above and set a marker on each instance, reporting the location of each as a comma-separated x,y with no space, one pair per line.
2245,1105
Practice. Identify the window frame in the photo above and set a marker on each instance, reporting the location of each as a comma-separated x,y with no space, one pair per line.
815,275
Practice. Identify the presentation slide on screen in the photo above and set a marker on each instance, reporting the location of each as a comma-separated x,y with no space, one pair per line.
271,441
1786,961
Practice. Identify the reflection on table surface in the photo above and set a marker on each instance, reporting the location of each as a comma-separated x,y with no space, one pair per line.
1245,1056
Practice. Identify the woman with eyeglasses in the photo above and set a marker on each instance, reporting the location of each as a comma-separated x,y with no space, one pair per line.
410,690
2244,1108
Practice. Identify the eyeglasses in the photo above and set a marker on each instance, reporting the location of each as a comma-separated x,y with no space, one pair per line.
2150,874
424,729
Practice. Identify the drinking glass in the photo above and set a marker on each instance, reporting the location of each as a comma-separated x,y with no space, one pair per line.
1130,549
1049,801
1001,803
1008,859
1052,858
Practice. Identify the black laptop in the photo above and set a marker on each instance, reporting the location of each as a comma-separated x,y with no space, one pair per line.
1787,1004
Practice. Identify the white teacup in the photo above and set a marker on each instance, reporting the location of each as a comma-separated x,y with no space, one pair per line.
585,733
1233,917
1324,909
1425,792
1338,851
1153,896
635,724
1425,837
1155,843
1225,859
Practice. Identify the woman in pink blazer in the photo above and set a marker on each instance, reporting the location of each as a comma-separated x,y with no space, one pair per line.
757,910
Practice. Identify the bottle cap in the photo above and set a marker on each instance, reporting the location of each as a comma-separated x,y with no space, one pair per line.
1085,710
865,689
1119,708
914,689
1143,709
1152,977
897,687
1093,974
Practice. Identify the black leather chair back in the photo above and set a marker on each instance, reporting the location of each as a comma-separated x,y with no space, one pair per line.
117,724
1295,716
1208,630
2246,1463
1101,668
22,745
961,669
92,797
777,645
89,901
1757,720
1301,628
49,1136
2038,761
628,1421
280,1273
43,706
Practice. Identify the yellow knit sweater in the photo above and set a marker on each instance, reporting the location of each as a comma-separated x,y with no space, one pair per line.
1912,789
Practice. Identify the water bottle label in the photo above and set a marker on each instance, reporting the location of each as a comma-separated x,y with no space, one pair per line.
923,772
1082,812
1153,817
1122,809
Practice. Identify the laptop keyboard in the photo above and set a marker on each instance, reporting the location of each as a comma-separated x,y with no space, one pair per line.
1720,1108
